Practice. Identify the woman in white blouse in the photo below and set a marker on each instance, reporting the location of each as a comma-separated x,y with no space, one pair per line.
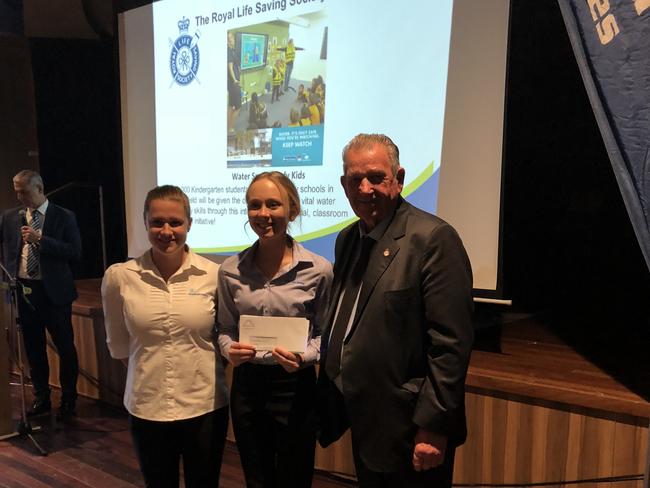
273,392
159,312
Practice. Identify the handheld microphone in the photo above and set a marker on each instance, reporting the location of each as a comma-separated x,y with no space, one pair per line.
23,216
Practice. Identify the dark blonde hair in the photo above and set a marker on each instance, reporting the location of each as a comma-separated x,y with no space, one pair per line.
167,192
368,141
286,187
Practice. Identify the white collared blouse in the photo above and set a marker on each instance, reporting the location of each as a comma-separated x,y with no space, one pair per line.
166,330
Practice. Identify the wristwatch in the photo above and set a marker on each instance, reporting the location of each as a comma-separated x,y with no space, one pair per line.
300,360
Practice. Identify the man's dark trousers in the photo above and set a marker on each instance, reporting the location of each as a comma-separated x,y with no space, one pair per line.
36,316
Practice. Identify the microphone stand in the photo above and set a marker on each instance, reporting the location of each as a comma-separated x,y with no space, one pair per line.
25,428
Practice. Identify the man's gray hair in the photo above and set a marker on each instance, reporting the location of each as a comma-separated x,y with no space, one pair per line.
31,177
367,141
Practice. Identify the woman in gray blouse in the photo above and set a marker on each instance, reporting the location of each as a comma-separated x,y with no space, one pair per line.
273,392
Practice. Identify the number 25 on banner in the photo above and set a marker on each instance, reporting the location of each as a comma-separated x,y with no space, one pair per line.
641,6
606,25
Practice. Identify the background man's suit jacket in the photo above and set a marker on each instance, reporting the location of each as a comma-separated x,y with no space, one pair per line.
405,359
59,247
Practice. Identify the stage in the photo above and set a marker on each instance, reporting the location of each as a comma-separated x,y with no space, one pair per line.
538,411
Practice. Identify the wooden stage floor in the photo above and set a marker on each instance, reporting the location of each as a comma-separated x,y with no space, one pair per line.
94,450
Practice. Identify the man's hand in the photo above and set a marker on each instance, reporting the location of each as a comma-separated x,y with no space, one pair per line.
30,235
240,353
289,361
429,451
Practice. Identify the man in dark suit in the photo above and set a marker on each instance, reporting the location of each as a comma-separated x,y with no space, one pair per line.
395,354
40,240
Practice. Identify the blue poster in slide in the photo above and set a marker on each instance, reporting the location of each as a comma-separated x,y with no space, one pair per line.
611,41
298,146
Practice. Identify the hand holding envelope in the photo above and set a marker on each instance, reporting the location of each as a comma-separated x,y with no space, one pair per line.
285,337
289,361
240,353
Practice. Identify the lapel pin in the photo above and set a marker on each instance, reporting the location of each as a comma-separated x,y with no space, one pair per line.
386,252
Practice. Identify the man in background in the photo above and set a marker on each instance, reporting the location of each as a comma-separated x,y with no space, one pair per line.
399,331
39,241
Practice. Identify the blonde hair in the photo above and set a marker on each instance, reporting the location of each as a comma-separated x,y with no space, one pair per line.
287,189
167,192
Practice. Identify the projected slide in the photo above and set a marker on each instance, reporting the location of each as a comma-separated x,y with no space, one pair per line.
245,87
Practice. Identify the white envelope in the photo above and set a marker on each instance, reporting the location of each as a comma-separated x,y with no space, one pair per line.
267,333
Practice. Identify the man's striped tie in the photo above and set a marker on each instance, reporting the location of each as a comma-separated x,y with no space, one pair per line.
33,251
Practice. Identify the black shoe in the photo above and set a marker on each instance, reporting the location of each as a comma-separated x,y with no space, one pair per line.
39,407
66,410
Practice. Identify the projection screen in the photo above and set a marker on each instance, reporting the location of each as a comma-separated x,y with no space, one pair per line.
431,75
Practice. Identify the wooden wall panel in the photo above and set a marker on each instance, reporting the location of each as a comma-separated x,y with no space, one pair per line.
557,448
100,376
574,446
18,150
18,143
529,443
337,458
6,423
539,450
512,425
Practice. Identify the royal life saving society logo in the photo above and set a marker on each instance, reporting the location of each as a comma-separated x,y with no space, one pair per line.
184,58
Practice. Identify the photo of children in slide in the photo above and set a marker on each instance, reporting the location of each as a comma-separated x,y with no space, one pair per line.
276,92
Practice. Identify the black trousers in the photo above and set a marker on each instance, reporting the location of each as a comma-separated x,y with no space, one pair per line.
287,75
57,319
274,422
198,441
440,477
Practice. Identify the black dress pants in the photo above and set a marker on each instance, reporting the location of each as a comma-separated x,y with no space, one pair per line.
198,441
36,316
274,422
